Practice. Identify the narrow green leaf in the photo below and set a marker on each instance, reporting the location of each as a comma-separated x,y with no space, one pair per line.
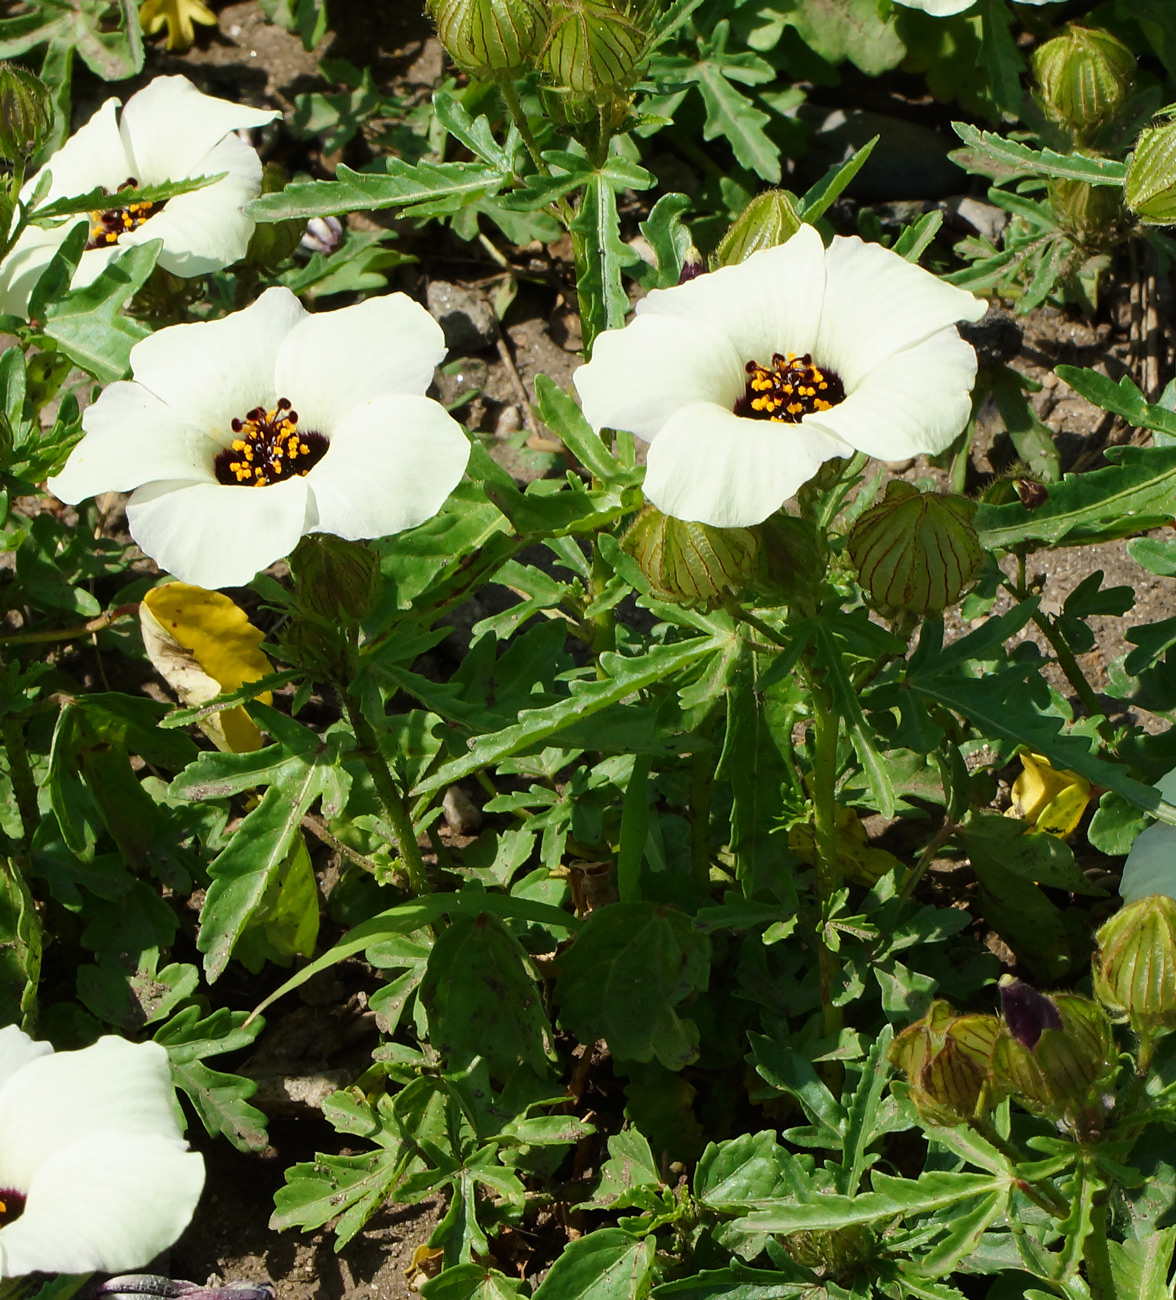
564,418
421,189
1015,158
817,200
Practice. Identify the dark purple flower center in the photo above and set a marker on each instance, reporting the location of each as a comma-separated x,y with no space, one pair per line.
106,225
789,389
268,448
12,1205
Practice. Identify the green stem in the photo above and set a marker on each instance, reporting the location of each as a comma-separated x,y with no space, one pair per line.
914,874
702,784
1074,674
20,773
1044,1195
514,107
604,627
826,725
391,799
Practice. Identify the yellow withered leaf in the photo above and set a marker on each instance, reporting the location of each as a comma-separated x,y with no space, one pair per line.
203,646
1050,799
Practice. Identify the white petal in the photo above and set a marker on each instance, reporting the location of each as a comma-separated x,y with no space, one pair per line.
109,1202
218,536
57,1099
713,467
338,360
213,371
132,438
643,374
877,303
91,265
169,128
207,229
94,155
1151,865
24,266
18,1049
945,8
914,402
390,466
770,303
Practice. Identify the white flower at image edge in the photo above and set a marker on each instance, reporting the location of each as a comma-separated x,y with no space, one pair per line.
1151,865
168,131
746,379
947,8
239,435
94,1175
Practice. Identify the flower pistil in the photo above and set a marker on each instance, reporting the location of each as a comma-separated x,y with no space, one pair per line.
789,389
269,447
106,225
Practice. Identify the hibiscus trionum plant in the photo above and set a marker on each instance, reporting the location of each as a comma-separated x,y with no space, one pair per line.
671,812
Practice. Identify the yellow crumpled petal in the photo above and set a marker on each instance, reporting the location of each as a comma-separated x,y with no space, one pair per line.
859,861
179,15
203,646
1050,799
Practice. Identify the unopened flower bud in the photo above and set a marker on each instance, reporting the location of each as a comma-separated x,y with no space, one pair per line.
691,563
1091,213
490,37
837,1252
1083,76
915,551
793,556
1058,1054
594,49
322,235
1150,190
272,242
947,1059
769,219
337,582
26,112
1135,965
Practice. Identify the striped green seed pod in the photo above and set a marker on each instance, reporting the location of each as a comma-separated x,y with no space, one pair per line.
915,551
691,563
1083,76
490,37
26,112
594,49
1135,965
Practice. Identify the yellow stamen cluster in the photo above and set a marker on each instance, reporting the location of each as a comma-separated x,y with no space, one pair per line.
789,389
269,447
108,225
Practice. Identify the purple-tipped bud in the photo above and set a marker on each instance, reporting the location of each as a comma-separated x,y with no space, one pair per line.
1027,1013
322,235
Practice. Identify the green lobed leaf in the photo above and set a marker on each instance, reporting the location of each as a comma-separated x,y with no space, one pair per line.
622,677
1133,494
732,116
471,1282
625,974
88,324
601,256
609,1264
482,999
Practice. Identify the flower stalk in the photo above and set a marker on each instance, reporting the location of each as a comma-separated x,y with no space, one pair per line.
826,724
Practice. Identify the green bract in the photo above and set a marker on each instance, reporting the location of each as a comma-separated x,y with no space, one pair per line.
26,112
1151,176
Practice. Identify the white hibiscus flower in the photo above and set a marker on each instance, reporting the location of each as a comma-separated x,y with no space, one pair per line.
745,380
1151,865
94,1174
237,436
169,131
